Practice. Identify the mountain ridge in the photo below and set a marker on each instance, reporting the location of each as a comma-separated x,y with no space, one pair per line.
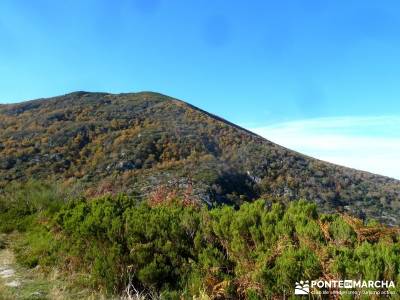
141,141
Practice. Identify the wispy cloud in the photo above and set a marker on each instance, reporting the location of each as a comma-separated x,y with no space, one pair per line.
366,143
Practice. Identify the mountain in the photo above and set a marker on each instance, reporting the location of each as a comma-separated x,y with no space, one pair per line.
153,145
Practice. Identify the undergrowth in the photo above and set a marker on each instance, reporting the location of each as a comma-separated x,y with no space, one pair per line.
177,249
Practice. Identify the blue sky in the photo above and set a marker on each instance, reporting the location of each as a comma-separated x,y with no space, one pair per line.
266,65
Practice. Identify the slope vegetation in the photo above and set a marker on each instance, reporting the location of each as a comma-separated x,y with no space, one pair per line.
149,144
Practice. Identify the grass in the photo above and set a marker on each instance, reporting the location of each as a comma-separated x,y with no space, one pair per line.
35,284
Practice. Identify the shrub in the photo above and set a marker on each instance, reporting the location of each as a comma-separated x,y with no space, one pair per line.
176,250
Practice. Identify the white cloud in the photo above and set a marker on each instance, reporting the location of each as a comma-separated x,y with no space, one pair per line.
366,143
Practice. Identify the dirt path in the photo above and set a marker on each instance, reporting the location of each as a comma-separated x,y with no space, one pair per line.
7,272
17,282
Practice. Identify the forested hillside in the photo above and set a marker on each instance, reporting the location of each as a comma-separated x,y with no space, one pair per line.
150,145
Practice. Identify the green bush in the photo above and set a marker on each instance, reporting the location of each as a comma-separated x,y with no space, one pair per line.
21,201
178,250
342,232
39,247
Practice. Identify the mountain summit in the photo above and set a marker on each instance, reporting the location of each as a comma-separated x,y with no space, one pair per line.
146,143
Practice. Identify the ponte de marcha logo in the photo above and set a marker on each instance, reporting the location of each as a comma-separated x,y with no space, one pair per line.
343,287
